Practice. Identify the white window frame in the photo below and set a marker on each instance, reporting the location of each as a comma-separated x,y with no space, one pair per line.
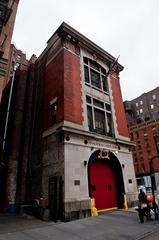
97,71
105,113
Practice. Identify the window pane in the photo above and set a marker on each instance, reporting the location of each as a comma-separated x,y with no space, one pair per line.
103,70
95,79
85,60
105,83
99,121
110,125
108,108
53,108
90,118
86,74
94,65
98,103
88,99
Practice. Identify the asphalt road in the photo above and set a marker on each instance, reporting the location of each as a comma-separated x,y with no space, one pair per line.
114,225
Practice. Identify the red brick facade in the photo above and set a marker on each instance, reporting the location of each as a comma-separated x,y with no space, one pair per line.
54,88
72,88
119,108
44,147
145,149
6,31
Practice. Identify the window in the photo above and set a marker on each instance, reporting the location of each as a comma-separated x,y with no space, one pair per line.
135,159
143,167
99,116
137,104
156,115
95,75
141,102
137,134
137,112
141,110
144,132
139,146
154,97
149,154
53,109
131,136
141,158
152,106
18,58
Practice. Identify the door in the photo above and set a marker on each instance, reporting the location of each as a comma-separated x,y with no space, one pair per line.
102,185
55,197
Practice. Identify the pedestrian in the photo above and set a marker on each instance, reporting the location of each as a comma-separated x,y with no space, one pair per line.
142,197
142,206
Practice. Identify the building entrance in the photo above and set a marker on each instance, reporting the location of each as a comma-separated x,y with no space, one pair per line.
102,185
106,184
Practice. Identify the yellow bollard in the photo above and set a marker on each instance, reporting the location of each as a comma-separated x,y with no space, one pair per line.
94,212
125,203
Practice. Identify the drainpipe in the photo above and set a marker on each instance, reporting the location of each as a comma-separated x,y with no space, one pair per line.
8,110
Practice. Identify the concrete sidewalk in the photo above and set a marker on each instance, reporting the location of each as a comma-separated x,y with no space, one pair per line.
114,225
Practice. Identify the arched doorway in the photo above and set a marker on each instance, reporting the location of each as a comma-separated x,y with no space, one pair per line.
106,180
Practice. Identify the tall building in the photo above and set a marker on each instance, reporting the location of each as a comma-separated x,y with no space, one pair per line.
74,143
143,122
8,10
143,108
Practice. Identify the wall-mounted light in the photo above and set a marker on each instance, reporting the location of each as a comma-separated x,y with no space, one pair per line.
67,138
85,163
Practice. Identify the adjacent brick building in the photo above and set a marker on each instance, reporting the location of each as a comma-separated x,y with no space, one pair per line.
8,10
143,122
143,108
75,137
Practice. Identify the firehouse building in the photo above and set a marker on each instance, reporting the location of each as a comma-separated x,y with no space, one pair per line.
80,147
87,151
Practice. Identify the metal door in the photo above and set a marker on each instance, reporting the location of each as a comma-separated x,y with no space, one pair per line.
55,198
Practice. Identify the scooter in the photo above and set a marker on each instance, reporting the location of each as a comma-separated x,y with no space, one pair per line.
144,211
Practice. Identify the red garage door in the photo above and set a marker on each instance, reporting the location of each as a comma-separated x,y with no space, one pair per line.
102,185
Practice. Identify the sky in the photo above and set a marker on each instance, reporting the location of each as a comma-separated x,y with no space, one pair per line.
129,28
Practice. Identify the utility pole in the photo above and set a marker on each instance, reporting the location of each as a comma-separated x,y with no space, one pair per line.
152,174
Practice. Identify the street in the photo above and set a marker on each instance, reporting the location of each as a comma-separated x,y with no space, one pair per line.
112,225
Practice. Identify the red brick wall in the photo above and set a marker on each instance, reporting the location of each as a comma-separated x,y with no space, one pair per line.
72,88
145,146
54,88
119,108
63,81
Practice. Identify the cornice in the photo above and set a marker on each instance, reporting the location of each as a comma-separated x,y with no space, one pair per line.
64,30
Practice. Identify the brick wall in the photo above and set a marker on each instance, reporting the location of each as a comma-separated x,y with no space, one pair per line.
118,107
54,87
63,81
72,89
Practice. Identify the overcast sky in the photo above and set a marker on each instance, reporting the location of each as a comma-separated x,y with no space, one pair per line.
129,28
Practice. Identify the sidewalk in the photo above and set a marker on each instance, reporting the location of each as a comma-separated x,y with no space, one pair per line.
113,225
